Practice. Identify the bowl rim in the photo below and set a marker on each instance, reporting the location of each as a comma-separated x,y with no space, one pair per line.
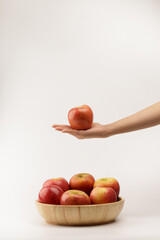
120,200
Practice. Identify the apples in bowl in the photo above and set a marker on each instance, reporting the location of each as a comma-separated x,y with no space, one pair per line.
81,202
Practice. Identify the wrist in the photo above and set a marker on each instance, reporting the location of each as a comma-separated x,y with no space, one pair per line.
109,130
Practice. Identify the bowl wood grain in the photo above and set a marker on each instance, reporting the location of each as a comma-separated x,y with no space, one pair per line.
80,214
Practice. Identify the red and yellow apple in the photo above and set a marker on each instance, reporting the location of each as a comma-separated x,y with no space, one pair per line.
81,118
75,197
82,181
101,195
108,182
50,195
60,182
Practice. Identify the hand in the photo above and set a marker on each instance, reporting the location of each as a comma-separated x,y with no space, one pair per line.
96,131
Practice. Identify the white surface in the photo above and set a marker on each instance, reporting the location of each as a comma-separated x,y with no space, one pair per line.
124,228
58,54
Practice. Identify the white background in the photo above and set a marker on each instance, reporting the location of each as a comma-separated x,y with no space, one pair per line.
59,54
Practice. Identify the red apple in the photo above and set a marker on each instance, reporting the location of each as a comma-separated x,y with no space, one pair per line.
60,182
101,195
75,197
80,118
108,182
50,195
83,182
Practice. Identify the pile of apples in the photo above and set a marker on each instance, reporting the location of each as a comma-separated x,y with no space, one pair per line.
82,189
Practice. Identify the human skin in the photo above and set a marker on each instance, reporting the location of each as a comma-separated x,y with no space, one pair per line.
145,118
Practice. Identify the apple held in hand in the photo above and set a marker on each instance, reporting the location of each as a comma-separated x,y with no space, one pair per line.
80,118
50,195
60,182
75,197
83,182
101,195
108,182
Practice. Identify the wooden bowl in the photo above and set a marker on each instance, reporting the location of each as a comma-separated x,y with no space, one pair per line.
80,214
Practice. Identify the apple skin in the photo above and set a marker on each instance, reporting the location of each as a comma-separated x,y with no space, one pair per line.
60,182
108,182
75,197
81,118
100,195
83,182
50,195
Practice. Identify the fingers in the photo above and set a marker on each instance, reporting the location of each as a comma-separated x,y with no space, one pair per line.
76,133
80,134
58,129
64,129
59,125
73,134
70,131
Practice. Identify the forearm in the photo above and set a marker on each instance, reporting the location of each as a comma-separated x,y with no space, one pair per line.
146,118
